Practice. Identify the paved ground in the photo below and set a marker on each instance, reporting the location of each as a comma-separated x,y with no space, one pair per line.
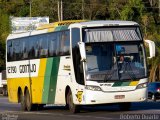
146,111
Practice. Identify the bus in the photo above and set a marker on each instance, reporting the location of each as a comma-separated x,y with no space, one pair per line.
77,63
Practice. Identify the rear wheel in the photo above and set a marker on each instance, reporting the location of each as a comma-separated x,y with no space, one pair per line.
29,105
4,92
72,107
125,106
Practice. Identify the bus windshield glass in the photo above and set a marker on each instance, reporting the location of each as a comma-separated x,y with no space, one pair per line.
115,61
111,61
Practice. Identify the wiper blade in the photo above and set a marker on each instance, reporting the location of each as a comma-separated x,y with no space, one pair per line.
109,75
132,75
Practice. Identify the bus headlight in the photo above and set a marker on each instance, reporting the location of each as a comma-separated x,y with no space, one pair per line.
93,88
142,85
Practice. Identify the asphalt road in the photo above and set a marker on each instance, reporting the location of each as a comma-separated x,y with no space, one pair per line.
145,110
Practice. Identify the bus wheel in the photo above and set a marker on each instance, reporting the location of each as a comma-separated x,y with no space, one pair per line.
28,102
22,101
72,107
125,106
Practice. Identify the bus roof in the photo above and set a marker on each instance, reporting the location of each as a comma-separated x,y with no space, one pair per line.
57,26
60,23
103,23
25,34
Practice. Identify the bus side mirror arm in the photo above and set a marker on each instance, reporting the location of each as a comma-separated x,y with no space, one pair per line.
82,51
152,48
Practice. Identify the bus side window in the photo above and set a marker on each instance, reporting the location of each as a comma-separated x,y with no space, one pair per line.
75,36
78,67
33,47
52,44
9,51
16,50
58,43
25,49
64,43
67,43
43,46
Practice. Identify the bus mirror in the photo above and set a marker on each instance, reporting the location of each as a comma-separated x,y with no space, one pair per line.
151,46
82,51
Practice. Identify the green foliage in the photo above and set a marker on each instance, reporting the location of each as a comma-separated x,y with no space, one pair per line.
126,9
4,31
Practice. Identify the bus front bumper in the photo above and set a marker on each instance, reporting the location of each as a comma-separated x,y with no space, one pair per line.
100,97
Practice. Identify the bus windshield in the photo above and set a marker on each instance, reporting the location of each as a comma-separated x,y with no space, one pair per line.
115,61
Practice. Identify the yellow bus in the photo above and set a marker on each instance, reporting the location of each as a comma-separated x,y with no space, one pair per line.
76,63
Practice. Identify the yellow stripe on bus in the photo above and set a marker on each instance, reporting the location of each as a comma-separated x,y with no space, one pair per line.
37,82
133,83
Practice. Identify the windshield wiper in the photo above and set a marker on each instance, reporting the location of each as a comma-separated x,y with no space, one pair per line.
132,75
109,76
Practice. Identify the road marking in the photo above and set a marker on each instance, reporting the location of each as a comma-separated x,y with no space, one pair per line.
8,103
54,114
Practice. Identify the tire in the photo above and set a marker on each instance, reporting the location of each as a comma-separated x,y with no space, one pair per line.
22,101
153,98
3,92
72,107
125,106
28,102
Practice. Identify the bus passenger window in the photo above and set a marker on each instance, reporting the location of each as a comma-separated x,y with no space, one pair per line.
43,46
16,50
25,49
52,44
9,51
64,43
33,48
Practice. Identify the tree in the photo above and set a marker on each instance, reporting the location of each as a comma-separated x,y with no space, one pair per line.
126,9
4,30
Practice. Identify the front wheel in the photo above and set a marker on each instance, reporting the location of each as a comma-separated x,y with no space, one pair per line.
72,107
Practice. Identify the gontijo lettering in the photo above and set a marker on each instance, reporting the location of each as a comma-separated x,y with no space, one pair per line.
27,68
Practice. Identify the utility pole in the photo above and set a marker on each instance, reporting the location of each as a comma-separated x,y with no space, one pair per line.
61,10
83,9
30,8
159,7
59,19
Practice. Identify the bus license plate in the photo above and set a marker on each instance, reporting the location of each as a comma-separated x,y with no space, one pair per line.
119,96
